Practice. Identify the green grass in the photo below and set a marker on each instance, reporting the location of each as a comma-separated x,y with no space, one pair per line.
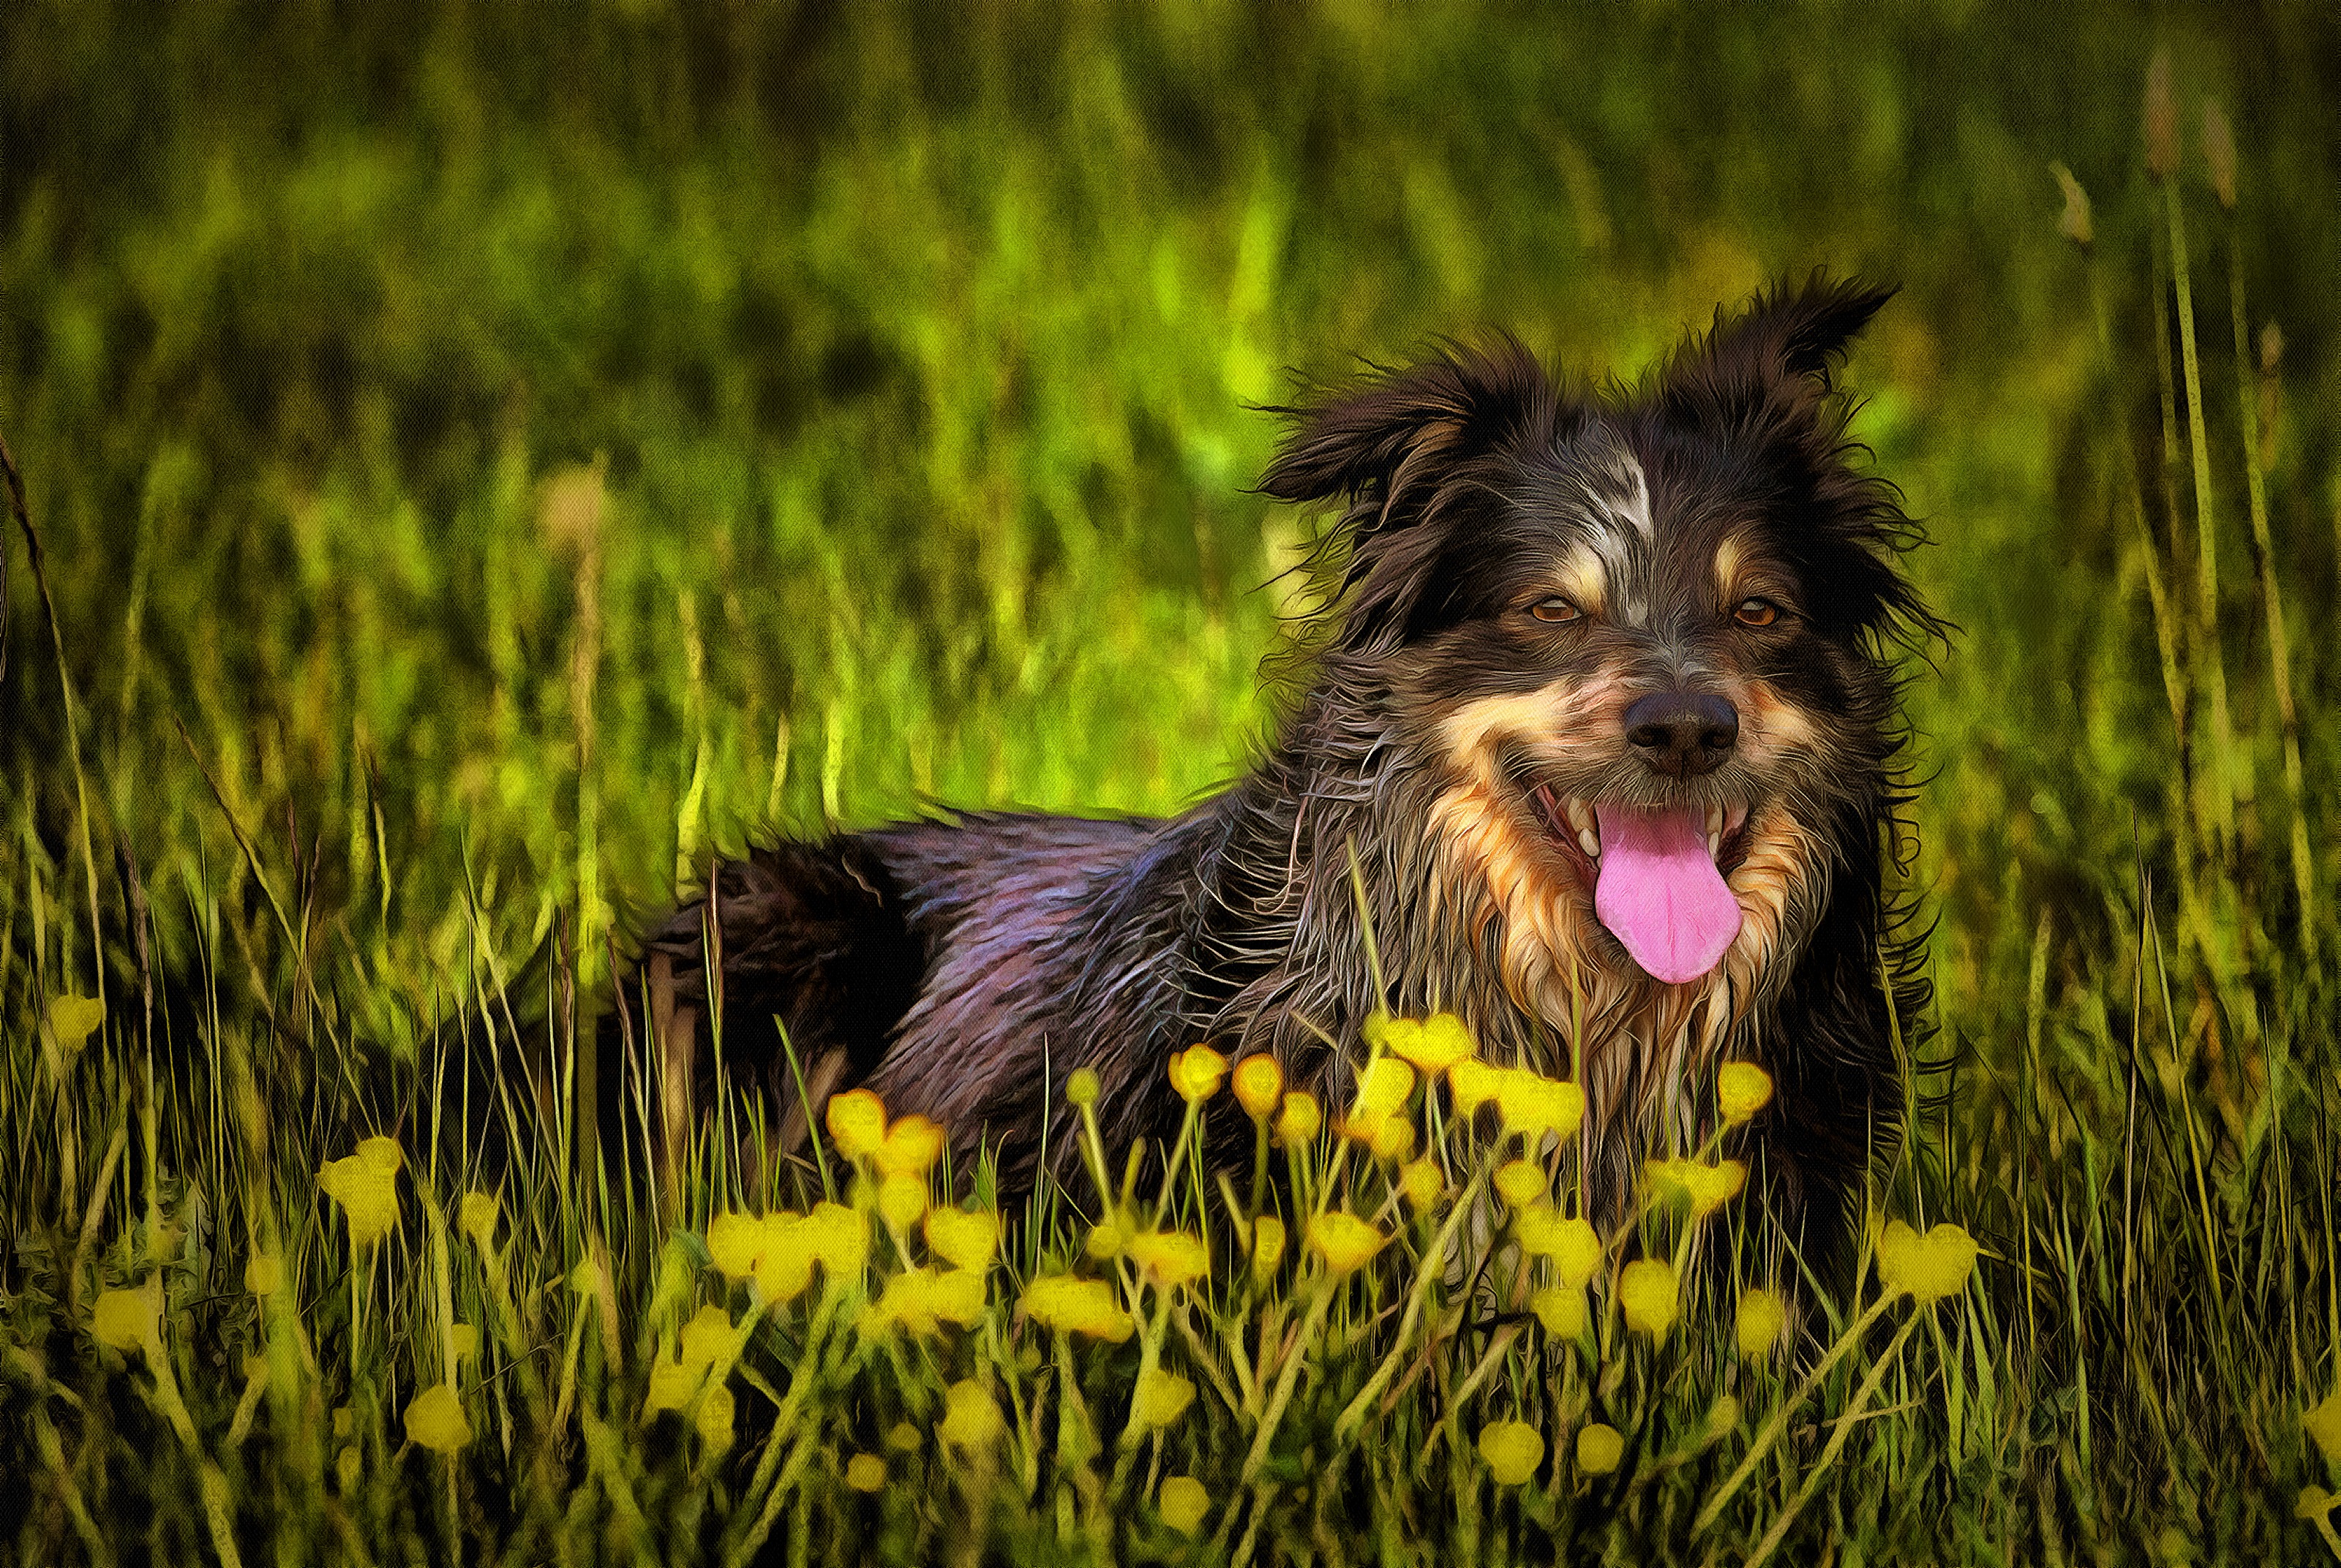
484,465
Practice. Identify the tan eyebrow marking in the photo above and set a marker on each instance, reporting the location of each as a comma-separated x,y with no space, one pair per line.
1727,557
1583,578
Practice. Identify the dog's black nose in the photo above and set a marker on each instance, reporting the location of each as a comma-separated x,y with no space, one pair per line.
1682,733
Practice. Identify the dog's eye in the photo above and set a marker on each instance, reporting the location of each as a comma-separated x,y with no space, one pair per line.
1555,610
1757,612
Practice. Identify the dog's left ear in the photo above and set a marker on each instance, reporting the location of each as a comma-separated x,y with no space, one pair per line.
1780,355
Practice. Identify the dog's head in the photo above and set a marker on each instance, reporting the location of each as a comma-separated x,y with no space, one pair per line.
1636,640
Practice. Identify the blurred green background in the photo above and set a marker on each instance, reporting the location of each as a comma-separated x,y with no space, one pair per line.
524,445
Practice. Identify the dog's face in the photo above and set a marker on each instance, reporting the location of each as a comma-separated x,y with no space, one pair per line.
1633,640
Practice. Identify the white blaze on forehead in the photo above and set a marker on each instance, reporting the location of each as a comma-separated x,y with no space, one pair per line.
1618,508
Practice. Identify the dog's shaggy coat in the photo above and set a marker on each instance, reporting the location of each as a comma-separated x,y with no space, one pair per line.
1555,611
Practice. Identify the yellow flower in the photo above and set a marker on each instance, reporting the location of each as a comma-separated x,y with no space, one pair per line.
1760,1318
1533,1106
1572,1244
673,1383
857,1123
1513,1450
1472,1083
910,1147
904,1438
1423,1183
1110,1235
2324,1425
838,1238
1741,1090
365,1184
72,1020
1183,1500
347,1466
1646,1290
1436,1045
1562,1310
714,1418
902,1198
1299,1119
1724,1417
1522,1182
1393,1140
263,1274
917,1298
435,1420
971,1416
1061,1302
735,1242
476,1219
128,1320
1383,1089
463,1340
1170,1258
1161,1398
1082,1087
1345,1241
1267,1247
865,1472
1259,1084
963,1239
1196,1072
710,1340
1706,1187
1929,1267
787,1247
1598,1449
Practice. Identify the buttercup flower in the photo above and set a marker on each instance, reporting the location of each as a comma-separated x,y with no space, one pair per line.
1170,1258
1706,1187
904,1438
1741,1090
1161,1398
1434,1044
1533,1106
673,1383
476,1219
1196,1072
920,1300
837,1237
1392,1139
1472,1083
865,1472
710,1340
1259,1084
1267,1247
1060,1301
435,1420
1929,1267
128,1319
463,1340
1299,1120
1758,1323
1183,1502
902,1198
1345,1241
1646,1290
1513,1450
857,1123
963,1239
1423,1183
1082,1087
734,1242
1598,1449
1522,1182
2323,1425
971,1416
264,1273
1561,1308
365,1184
72,1020
1383,1089
1572,1244
1110,1235
348,1466
910,1147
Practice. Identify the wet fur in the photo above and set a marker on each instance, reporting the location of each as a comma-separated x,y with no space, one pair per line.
962,966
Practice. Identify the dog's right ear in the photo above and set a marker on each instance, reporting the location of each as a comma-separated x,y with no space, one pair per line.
1375,440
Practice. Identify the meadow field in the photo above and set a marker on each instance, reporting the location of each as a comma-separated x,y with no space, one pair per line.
477,462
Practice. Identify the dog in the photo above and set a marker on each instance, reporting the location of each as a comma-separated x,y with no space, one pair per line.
1602,741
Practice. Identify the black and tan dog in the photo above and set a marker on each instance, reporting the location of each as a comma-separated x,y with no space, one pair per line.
1606,718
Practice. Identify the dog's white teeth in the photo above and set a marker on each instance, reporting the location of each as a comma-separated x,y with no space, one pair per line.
1714,821
1589,843
1714,845
1589,832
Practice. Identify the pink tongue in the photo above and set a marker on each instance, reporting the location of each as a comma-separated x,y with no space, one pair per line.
1659,892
